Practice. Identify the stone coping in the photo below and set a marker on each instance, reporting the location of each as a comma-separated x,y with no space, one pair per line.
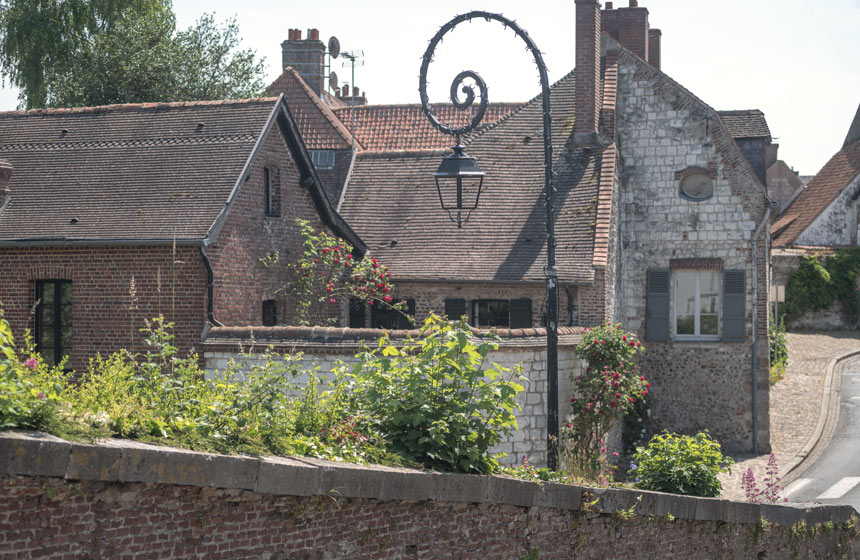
253,337
38,454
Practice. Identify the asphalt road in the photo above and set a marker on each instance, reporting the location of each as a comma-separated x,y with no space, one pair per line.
834,477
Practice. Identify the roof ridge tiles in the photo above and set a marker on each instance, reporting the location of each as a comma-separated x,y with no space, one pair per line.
135,106
402,153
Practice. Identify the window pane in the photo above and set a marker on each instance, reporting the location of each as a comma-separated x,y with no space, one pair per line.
686,324
708,303
708,324
685,283
709,282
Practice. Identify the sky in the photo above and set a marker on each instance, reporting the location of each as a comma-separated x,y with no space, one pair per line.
796,60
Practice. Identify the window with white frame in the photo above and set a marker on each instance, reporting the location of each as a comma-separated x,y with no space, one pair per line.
697,304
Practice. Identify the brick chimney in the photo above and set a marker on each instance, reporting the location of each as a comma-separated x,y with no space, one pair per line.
5,174
589,86
629,26
306,56
654,37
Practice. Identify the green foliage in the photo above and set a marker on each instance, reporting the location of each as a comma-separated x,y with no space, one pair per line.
95,52
681,464
327,273
609,387
844,269
819,281
434,400
778,349
527,471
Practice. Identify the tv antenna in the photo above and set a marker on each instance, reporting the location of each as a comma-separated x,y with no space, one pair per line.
353,58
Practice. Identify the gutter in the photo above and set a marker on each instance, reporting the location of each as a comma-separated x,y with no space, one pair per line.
765,221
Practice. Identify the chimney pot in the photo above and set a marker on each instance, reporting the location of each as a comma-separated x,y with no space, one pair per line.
345,91
314,35
355,91
609,5
298,35
634,3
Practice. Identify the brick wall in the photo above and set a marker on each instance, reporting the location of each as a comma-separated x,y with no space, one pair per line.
130,500
101,276
662,130
242,282
306,56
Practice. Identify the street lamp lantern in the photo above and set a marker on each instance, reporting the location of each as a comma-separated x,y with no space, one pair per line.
459,178
461,170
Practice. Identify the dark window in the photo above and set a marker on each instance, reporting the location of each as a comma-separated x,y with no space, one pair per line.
491,313
455,308
323,159
521,313
271,191
356,313
54,319
384,317
267,190
270,313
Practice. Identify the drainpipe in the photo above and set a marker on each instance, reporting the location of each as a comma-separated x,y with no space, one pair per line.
756,235
210,294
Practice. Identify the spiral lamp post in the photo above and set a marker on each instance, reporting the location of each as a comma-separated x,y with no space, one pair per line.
465,175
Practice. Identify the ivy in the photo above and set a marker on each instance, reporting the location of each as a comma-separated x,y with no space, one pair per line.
821,280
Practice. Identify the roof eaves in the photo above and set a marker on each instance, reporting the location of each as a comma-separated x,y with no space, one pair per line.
136,241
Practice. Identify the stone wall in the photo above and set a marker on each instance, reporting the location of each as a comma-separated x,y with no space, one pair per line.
123,499
662,131
324,346
787,260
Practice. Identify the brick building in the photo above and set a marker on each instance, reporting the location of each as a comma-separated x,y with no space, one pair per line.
182,199
662,221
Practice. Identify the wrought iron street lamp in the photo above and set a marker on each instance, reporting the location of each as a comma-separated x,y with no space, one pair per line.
459,168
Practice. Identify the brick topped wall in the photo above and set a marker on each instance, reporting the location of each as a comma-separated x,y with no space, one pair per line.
60,500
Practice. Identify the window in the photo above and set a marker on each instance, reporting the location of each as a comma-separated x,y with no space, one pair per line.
270,313
356,313
491,313
54,319
384,317
323,159
271,192
697,303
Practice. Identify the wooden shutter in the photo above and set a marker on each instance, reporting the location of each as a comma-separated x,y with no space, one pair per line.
734,305
657,305
521,313
455,308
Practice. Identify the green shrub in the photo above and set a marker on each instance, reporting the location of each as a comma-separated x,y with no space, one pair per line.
778,349
681,465
433,399
609,387
809,288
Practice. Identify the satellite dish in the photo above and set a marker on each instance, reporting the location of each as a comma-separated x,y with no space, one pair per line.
333,47
332,80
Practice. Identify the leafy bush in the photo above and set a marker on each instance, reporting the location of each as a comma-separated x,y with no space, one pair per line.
433,399
809,288
610,386
681,465
527,471
778,349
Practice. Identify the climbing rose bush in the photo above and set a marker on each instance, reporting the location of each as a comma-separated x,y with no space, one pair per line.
609,387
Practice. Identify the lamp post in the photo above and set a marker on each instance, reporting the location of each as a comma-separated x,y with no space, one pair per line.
462,168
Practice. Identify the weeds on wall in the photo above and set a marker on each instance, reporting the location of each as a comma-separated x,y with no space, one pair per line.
778,349
436,402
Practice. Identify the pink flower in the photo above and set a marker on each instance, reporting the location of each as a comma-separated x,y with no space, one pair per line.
387,299
31,363
41,396
615,454
332,300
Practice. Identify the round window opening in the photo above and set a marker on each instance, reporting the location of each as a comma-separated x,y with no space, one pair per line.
697,187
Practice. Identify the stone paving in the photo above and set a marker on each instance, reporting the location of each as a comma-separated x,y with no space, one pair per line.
795,402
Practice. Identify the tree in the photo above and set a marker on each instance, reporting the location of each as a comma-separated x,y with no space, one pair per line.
96,52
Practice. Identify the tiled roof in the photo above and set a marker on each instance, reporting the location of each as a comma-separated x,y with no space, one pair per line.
405,127
823,189
392,204
141,171
319,127
853,131
747,123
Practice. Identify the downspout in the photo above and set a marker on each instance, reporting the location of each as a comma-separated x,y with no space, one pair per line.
210,295
756,235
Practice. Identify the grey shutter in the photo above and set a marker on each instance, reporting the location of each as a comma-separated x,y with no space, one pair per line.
657,305
455,308
521,313
734,305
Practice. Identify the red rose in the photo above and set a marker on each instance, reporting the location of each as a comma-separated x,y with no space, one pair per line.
617,395
624,337
642,378
648,385
387,299
630,399
645,392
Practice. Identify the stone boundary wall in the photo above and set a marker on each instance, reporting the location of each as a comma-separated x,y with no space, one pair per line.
786,261
323,346
122,499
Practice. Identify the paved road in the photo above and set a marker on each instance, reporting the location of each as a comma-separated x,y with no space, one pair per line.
834,477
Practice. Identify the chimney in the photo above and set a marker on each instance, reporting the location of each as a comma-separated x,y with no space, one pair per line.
305,56
589,87
629,26
5,174
654,36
